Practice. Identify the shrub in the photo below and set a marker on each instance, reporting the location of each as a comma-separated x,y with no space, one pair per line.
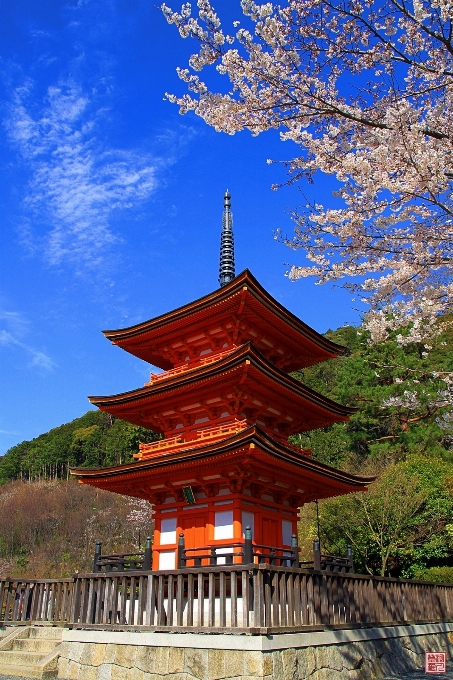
436,574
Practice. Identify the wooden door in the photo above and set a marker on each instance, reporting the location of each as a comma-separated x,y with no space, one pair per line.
271,536
195,535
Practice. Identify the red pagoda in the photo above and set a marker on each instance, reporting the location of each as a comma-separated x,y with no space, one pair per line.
225,405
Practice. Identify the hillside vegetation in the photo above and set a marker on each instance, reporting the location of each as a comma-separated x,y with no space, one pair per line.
50,528
402,433
94,440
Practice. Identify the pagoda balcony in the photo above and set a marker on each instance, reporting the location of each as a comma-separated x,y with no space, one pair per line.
198,438
207,435
189,366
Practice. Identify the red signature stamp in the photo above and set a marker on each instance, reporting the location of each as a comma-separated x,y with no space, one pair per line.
435,662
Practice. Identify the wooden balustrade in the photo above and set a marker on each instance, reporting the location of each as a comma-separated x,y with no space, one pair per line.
183,368
197,437
243,552
250,598
40,600
122,561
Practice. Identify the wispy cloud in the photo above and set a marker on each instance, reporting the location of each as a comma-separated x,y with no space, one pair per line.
11,336
77,184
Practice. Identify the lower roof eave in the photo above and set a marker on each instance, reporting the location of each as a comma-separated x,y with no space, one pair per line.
253,435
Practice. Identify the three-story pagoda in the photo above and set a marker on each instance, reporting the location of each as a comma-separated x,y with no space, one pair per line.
225,405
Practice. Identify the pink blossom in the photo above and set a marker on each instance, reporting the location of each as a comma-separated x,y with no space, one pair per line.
387,140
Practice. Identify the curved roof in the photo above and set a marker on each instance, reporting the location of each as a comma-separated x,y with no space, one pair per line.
246,370
322,481
243,299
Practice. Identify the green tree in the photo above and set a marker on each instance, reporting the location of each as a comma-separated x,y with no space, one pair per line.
401,525
94,440
399,391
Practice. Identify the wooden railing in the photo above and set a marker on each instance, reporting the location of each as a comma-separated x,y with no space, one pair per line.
324,562
119,562
183,368
40,600
257,598
199,437
242,552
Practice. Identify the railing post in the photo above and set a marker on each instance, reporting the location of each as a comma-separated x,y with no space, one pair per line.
147,557
317,554
350,559
97,555
248,547
272,559
181,550
294,551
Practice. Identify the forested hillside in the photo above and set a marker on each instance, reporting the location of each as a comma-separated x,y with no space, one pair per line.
402,433
94,440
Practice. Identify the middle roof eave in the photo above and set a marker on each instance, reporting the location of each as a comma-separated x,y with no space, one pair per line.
208,373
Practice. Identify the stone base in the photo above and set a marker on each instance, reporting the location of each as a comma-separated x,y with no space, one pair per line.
360,654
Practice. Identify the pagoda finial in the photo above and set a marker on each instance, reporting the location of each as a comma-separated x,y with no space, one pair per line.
226,273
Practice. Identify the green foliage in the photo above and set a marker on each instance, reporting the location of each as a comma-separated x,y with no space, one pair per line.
436,574
402,525
94,440
400,395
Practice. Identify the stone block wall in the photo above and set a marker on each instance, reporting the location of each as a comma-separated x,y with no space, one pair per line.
89,661
364,660
298,657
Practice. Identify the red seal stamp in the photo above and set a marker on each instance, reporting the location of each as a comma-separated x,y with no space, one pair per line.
435,662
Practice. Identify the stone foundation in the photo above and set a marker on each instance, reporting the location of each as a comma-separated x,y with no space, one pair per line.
361,654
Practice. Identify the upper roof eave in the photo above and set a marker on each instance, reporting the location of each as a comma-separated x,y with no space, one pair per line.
220,294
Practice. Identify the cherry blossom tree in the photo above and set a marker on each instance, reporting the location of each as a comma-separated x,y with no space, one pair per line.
364,88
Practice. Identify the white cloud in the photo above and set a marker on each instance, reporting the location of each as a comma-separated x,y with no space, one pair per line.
12,339
76,185
14,321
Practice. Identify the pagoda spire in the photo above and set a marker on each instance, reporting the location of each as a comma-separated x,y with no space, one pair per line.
226,272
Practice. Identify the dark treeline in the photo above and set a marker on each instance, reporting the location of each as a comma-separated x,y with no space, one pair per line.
94,440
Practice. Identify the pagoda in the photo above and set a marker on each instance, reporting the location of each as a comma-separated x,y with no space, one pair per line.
225,404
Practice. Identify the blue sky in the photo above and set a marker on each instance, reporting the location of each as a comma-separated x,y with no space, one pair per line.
111,203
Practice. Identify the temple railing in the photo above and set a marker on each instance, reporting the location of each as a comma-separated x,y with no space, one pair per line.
325,562
120,562
255,598
37,600
244,552
200,436
203,361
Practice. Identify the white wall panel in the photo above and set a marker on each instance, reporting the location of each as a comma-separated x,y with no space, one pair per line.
167,560
223,527
168,531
